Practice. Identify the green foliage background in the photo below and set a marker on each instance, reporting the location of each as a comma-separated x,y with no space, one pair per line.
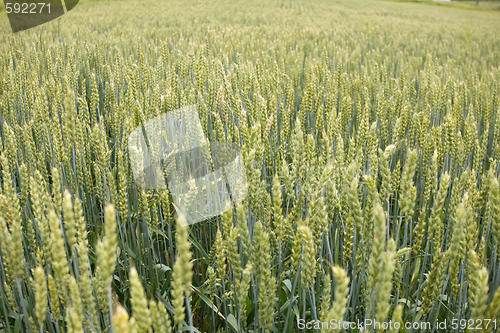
370,135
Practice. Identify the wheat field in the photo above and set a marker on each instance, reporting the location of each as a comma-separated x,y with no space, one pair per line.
369,135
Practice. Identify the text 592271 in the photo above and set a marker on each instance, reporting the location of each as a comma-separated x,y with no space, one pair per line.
27,7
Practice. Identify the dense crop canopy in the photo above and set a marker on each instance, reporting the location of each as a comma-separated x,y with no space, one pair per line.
369,133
